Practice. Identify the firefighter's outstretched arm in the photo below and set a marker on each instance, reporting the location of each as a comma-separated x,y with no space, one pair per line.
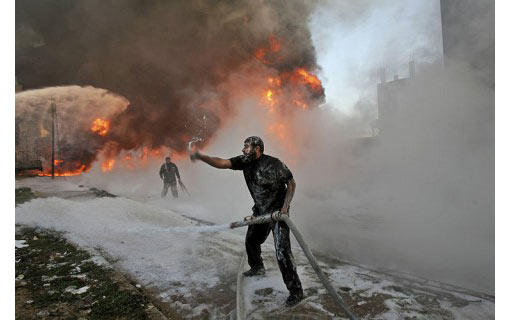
212,161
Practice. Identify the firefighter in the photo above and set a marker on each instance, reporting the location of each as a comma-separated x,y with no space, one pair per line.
167,173
271,186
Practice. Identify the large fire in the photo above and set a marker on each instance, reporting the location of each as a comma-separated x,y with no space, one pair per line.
132,160
285,93
301,86
253,53
138,159
269,99
310,79
63,169
100,126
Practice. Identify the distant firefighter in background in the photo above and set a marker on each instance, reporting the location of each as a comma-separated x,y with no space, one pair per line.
168,172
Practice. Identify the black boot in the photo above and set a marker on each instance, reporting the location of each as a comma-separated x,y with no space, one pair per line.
255,272
294,298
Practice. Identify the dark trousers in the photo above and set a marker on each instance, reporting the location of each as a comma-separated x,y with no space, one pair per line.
173,186
257,234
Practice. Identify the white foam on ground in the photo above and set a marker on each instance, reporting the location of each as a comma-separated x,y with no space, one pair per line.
21,244
156,245
43,184
473,311
161,248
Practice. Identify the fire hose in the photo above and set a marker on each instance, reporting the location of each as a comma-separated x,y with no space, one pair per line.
308,253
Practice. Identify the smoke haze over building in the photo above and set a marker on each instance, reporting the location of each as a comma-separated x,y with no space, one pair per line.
166,58
417,196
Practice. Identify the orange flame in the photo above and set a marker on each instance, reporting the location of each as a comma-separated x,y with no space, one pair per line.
67,173
100,126
283,132
309,79
269,97
274,44
140,158
145,153
274,81
295,80
107,165
301,104
260,54
296,89
156,152
271,48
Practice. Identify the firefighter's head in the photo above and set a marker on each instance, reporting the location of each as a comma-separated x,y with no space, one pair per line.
167,159
253,148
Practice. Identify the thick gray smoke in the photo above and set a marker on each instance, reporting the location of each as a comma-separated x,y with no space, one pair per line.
418,197
163,56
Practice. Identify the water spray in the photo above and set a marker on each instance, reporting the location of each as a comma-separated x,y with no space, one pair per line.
191,142
276,216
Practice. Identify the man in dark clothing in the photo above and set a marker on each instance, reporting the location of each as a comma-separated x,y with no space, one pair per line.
271,186
168,172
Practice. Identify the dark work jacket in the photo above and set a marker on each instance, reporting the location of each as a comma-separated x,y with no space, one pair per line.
266,178
168,173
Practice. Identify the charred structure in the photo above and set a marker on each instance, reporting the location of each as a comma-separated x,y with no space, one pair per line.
165,58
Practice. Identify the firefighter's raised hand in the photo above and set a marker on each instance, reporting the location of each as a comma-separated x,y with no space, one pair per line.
193,153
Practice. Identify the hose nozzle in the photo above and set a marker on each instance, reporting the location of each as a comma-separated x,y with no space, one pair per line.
193,140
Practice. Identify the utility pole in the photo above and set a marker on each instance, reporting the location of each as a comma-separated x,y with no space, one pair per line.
53,114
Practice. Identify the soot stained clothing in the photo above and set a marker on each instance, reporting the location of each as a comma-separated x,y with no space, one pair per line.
168,173
267,179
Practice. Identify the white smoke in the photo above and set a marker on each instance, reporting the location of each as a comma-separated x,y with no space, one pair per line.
417,198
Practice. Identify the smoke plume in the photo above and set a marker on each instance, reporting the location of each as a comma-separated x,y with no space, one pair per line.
169,59
416,197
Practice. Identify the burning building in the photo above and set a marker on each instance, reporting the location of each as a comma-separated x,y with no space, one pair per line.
183,67
55,123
